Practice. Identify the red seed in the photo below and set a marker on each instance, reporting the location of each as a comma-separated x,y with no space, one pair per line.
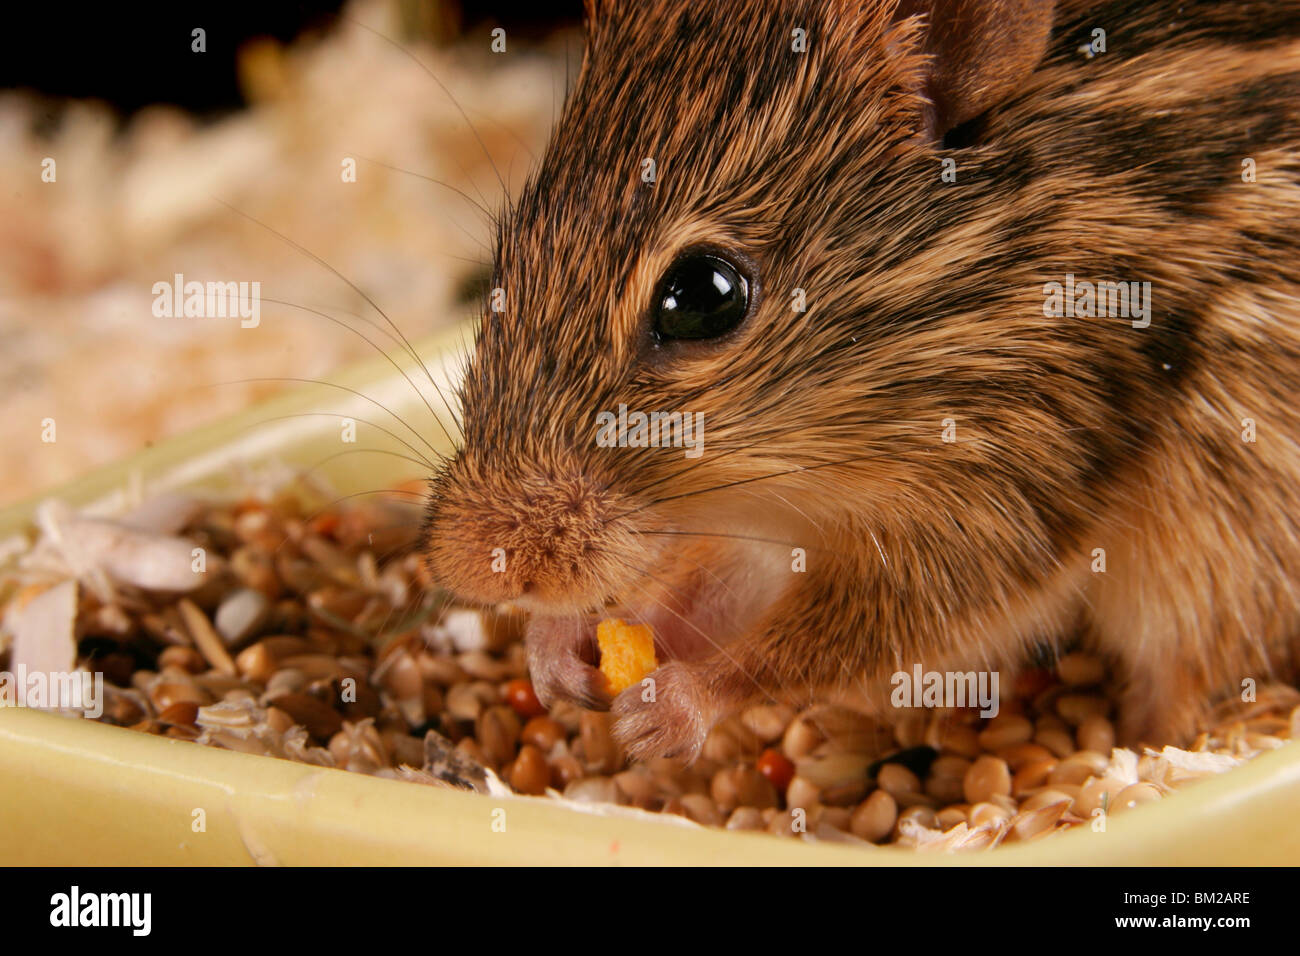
777,768
519,694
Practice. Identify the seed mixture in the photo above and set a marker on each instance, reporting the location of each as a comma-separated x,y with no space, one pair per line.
288,626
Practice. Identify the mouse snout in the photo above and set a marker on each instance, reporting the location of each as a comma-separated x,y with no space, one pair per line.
540,539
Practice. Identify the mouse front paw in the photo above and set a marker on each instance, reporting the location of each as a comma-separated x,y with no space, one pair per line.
663,715
557,668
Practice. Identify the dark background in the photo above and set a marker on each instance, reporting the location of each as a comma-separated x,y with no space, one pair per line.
135,54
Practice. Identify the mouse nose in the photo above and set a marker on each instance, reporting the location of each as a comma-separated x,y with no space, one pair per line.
540,537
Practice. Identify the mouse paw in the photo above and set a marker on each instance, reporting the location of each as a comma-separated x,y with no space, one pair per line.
557,669
663,715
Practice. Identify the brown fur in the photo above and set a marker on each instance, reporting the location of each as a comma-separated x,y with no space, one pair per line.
924,303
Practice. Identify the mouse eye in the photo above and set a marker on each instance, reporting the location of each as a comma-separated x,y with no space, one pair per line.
700,297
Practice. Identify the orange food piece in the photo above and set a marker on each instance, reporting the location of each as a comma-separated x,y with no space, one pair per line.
627,653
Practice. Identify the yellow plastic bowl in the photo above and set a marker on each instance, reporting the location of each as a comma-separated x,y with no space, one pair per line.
79,792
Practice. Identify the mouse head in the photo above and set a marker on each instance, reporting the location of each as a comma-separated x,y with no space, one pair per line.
725,230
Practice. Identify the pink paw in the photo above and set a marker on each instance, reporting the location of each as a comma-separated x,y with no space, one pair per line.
663,715
557,668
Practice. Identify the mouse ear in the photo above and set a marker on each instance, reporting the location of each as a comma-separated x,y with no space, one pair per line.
981,51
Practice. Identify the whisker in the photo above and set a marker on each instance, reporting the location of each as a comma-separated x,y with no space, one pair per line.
391,360
396,438
410,349
445,185
433,76
353,391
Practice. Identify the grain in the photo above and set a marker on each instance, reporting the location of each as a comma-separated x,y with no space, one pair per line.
530,773
1005,730
874,818
1095,733
987,775
317,679
207,640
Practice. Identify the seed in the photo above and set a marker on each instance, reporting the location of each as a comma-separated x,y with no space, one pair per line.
1076,708
285,681
789,823
828,768
946,789
254,569
1080,670
256,662
837,817
925,816
1135,794
315,666
700,808
542,732
895,779
848,794
987,775
498,734
598,744
773,765
1031,776
1097,734
1005,730
181,712
207,640
638,785
905,800
282,723
874,818
592,790
1020,755
1078,767
984,813
463,703
1030,824
407,751
123,707
520,695
240,614
802,793
948,765
166,693
729,740
530,773
767,722
742,786
1095,793
564,771
186,658
320,720
801,738
401,676
1046,798
1059,742
745,818
952,815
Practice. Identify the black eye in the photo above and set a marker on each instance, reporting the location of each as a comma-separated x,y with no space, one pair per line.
700,297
